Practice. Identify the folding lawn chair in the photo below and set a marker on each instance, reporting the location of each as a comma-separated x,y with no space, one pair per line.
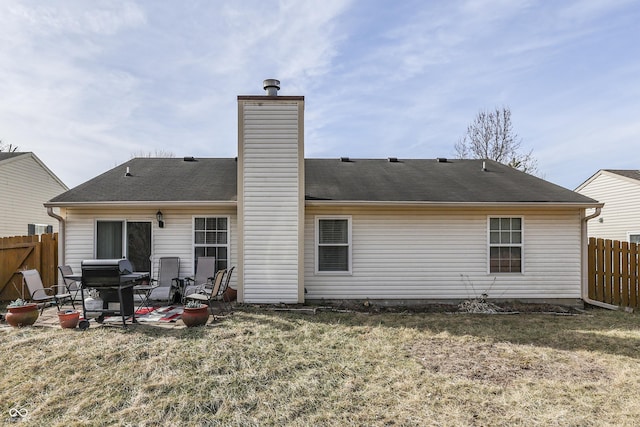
38,293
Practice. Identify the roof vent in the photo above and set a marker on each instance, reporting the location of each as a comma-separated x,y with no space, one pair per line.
484,166
442,160
393,160
127,173
189,159
345,159
272,86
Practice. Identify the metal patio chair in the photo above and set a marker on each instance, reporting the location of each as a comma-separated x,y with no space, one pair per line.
72,285
205,272
222,297
209,294
40,294
165,286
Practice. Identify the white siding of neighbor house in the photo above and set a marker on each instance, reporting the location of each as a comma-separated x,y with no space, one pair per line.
443,254
24,187
621,212
175,239
269,200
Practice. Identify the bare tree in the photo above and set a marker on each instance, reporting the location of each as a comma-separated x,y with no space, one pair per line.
491,136
156,153
8,148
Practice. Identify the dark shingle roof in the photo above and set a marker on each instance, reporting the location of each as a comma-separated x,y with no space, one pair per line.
5,155
357,180
420,180
628,173
159,180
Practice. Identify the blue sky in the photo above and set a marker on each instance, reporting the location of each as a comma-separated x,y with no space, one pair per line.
86,84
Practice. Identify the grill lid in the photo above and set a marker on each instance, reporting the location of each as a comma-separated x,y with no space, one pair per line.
123,266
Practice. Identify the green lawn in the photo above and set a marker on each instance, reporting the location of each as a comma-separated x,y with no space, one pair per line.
261,367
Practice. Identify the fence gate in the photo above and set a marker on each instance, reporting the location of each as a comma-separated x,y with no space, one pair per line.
19,253
614,272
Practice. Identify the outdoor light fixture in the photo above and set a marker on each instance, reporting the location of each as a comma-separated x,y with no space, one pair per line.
160,219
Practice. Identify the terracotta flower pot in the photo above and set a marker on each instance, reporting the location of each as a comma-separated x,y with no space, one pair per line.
195,316
22,315
230,294
69,319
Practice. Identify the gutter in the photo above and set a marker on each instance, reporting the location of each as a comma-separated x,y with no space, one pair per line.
61,233
585,288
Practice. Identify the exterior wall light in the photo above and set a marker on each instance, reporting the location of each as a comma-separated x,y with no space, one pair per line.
160,219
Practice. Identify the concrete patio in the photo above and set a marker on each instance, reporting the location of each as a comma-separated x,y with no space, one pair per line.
49,319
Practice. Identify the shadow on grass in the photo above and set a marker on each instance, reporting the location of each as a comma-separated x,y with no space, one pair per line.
597,330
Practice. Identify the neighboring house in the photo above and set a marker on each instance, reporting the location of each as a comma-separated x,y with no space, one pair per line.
332,229
25,184
619,190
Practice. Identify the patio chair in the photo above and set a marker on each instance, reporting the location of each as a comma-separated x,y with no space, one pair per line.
205,272
40,294
165,286
72,285
223,289
209,294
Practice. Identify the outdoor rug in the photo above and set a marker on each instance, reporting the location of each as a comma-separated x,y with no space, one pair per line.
151,314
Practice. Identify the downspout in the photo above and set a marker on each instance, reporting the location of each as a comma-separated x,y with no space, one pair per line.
61,229
585,280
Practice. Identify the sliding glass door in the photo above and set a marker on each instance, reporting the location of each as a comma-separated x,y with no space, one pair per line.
125,239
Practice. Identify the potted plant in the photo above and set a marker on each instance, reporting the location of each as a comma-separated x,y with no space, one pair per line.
69,319
195,314
22,313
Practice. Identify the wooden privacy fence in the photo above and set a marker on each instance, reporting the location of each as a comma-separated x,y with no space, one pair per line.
19,253
614,271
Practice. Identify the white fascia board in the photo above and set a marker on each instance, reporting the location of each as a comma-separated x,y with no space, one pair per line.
545,205
176,204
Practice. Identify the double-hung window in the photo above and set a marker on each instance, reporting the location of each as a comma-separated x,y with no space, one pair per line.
333,244
505,245
211,238
33,229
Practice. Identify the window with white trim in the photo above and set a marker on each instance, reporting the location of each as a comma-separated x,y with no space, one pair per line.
333,244
505,245
634,237
211,238
33,229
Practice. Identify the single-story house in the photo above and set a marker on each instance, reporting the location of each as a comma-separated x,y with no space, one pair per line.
619,190
333,229
25,184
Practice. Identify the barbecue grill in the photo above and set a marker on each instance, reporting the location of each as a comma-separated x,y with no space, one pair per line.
114,280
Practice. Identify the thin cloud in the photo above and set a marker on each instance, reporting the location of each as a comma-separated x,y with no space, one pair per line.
106,79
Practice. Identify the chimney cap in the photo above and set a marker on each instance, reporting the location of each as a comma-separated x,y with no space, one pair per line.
272,86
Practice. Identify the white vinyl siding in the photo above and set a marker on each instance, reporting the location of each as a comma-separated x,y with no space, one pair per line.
24,187
621,212
175,239
271,200
441,254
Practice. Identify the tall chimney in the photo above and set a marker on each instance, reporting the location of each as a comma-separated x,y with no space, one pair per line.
272,86
271,215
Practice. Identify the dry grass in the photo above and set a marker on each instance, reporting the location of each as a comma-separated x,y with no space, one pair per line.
260,367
